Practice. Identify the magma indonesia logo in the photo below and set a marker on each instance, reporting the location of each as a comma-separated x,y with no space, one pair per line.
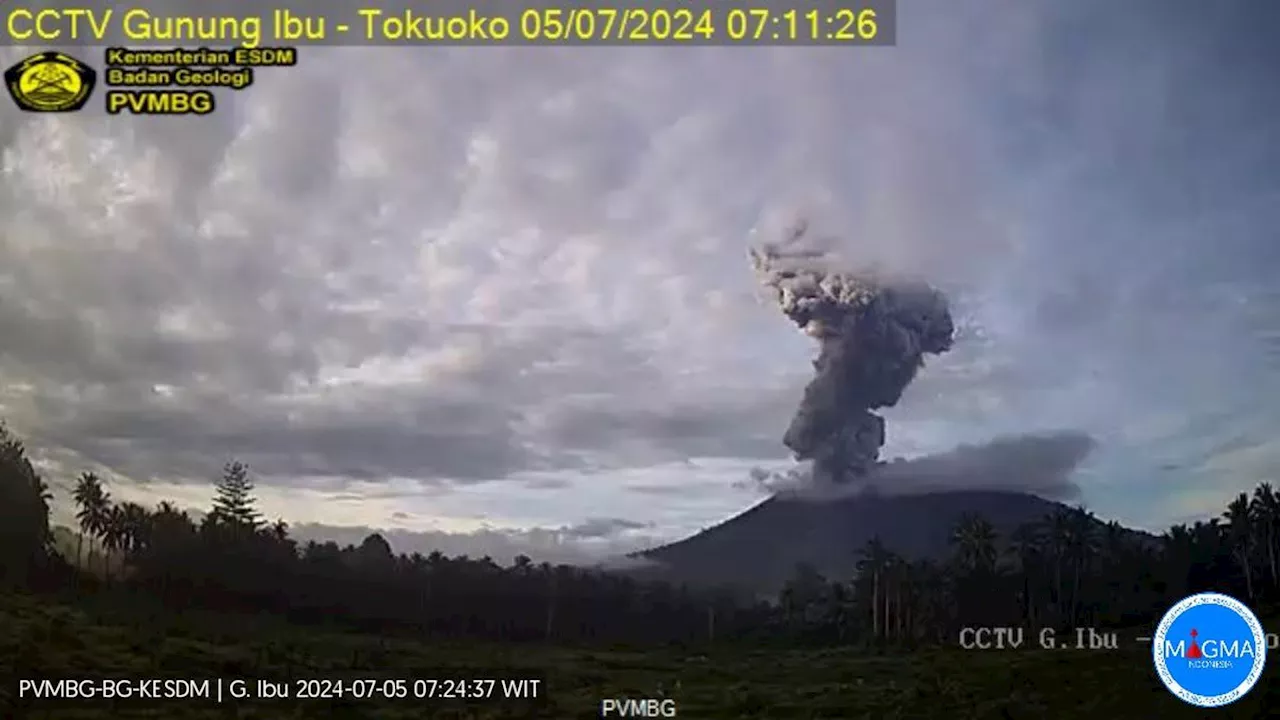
1209,650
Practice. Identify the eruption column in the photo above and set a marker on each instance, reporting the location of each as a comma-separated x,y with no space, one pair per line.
873,333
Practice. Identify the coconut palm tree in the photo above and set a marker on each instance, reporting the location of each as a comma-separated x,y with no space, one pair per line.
113,537
169,525
1242,532
931,599
802,597
1082,549
94,512
874,559
87,494
975,541
279,530
135,528
1266,509
1057,535
1026,547
1177,552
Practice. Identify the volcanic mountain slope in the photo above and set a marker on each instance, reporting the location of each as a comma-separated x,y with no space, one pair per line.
758,550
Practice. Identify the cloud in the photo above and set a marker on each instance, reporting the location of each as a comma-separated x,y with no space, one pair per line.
1037,464
603,528
563,545
515,268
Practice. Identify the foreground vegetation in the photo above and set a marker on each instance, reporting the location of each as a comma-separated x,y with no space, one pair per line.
140,592
40,640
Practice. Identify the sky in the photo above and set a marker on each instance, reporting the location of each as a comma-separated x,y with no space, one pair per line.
498,300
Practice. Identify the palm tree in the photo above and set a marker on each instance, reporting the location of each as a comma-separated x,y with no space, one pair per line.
169,525
935,588
114,534
802,596
1115,543
280,531
1208,546
1178,549
553,592
135,528
43,496
1241,531
1057,528
94,512
916,610
898,576
1027,548
87,494
975,541
1082,548
873,560
1266,508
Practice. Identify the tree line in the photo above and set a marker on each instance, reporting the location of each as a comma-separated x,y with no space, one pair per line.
1067,569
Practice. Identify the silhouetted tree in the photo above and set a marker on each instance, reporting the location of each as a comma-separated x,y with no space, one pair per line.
24,512
1242,534
874,560
233,501
1266,509
90,499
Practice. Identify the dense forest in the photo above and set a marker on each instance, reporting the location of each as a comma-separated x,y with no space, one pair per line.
1067,570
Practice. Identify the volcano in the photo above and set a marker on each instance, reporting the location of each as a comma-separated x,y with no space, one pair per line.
757,551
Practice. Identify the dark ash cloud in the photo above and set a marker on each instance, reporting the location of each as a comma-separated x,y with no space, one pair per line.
873,329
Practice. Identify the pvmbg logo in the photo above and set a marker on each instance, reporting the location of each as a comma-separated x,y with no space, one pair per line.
1209,650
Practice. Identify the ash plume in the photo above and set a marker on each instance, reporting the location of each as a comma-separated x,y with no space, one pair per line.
873,333
1039,464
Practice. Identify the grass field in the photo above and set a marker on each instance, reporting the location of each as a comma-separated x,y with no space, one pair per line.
40,639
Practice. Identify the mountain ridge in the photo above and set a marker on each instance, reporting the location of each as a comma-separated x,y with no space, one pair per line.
758,549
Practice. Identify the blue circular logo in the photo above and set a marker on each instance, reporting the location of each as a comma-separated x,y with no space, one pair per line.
1209,650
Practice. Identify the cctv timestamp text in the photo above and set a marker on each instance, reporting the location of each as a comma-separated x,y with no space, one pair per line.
420,689
723,23
802,27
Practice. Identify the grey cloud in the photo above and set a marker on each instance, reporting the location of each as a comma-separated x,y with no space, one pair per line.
739,423
468,430
603,528
1038,464
680,487
540,544
547,484
658,490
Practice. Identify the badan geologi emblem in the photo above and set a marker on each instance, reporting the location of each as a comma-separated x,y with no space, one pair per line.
50,82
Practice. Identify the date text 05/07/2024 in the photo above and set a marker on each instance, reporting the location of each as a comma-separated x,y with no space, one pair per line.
234,689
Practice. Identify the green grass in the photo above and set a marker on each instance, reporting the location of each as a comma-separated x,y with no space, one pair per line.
40,639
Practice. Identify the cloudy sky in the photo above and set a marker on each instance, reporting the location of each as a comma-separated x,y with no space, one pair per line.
498,299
